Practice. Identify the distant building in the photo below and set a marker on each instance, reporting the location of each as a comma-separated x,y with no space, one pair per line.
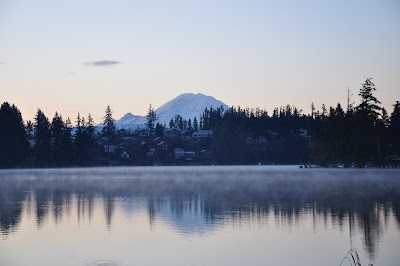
179,153
109,148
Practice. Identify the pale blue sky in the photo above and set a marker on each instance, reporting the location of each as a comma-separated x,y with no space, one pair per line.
248,53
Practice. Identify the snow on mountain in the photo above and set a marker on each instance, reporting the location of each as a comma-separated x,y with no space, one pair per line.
187,105
130,121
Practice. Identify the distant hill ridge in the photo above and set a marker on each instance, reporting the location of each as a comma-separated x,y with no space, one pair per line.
187,105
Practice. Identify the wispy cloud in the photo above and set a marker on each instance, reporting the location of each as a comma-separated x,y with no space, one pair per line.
102,63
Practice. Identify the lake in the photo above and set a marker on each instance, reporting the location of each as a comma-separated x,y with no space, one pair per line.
217,215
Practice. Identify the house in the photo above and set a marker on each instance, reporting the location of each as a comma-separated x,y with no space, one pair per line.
189,155
179,153
203,134
109,148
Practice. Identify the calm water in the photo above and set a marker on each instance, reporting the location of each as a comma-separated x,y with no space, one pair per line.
199,216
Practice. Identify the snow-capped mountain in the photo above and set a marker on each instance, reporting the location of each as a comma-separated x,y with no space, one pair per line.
130,121
187,105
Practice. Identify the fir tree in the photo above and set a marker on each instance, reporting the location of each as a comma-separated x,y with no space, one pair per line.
81,145
369,107
91,138
195,124
67,149
13,141
159,131
57,127
394,128
189,125
42,148
108,130
368,144
151,119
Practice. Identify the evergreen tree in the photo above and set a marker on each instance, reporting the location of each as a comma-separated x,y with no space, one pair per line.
151,118
180,123
29,129
184,125
385,118
394,129
91,137
369,107
108,130
67,149
42,149
159,131
189,125
195,124
368,145
81,145
79,125
57,128
108,125
13,141
171,123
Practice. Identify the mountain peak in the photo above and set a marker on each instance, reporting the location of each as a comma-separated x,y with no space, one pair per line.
128,115
187,105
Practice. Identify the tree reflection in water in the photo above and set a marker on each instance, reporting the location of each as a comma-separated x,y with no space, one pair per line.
209,197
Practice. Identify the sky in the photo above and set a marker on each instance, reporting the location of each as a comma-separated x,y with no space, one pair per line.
82,55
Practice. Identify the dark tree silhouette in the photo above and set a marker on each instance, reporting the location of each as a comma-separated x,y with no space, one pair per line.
13,140
80,141
367,143
42,149
195,124
159,131
369,108
394,128
108,130
171,123
67,148
57,128
151,119
90,138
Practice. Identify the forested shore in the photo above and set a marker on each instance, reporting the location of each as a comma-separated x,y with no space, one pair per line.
356,135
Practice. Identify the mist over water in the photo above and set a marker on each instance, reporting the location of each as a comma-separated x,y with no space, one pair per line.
278,215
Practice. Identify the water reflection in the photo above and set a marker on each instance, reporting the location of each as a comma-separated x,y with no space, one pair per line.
198,201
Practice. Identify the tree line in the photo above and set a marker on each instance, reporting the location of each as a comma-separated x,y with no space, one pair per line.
359,135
